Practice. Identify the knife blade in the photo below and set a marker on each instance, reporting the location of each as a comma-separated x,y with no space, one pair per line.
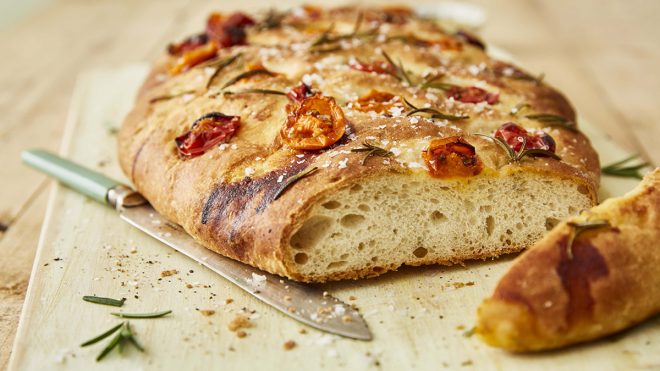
302,302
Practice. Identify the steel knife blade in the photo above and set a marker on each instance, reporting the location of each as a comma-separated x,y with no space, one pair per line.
302,302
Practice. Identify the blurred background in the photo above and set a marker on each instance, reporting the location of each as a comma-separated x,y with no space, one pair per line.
603,54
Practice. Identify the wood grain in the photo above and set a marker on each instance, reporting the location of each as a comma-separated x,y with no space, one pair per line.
602,54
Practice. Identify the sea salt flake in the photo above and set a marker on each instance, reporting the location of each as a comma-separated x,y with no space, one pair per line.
342,163
249,171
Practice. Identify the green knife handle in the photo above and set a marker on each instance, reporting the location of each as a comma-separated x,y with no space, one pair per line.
83,180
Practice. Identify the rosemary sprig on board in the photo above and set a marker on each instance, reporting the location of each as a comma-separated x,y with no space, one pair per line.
372,150
142,315
515,157
293,179
400,72
104,301
219,67
624,170
247,74
124,335
434,112
579,228
553,120
256,91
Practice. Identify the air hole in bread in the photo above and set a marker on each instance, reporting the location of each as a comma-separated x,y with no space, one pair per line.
344,256
301,258
360,246
438,217
434,200
335,265
551,223
583,189
364,207
352,220
490,225
311,232
420,252
356,188
374,259
331,205
378,269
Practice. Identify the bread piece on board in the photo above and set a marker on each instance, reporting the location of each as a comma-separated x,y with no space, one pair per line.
606,281
380,197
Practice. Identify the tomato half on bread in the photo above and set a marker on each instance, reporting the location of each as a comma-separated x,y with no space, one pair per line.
316,122
207,131
452,157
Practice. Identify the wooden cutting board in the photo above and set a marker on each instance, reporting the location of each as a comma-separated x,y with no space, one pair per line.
418,315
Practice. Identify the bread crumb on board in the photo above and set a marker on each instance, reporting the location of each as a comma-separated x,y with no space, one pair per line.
207,312
239,322
290,344
168,273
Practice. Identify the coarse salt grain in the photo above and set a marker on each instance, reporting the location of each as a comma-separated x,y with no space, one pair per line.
280,178
342,163
249,171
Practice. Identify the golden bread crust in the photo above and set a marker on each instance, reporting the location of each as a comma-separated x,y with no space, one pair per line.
225,198
609,281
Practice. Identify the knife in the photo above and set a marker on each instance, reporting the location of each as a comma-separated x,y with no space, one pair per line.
301,302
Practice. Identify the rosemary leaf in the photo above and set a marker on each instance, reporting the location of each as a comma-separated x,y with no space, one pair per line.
112,345
104,301
219,67
102,336
256,91
578,229
470,332
170,96
537,153
245,75
292,179
325,36
437,114
358,23
372,150
621,169
128,334
142,315
400,72
553,120
519,107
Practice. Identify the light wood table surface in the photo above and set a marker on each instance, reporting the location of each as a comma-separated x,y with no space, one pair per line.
604,55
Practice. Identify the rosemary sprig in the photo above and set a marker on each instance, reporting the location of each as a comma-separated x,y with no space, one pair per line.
256,91
372,150
536,79
400,72
170,96
553,120
272,20
578,229
102,336
518,108
470,332
104,301
622,169
142,315
435,114
325,37
219,67
515,157
124,335
247,74
292,179
358,23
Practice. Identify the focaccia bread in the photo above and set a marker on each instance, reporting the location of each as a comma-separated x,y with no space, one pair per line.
327,144
593,275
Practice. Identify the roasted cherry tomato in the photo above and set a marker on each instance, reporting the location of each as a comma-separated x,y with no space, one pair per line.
300,92
380,67
188,44
472,94
314,123
514,135
452,157
207,131
470,39
193,57
228,31
377,101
